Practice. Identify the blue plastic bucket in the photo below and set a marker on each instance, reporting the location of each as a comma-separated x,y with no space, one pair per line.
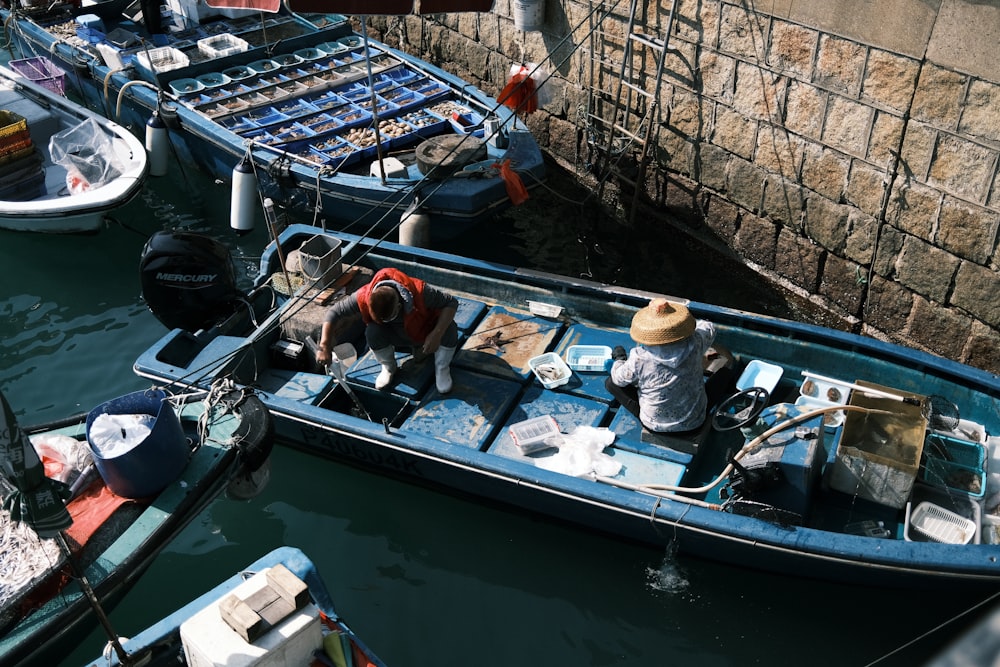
149,466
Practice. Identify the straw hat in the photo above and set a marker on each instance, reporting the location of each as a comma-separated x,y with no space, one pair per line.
662,322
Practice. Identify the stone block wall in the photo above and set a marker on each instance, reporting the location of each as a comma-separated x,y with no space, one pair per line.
846,150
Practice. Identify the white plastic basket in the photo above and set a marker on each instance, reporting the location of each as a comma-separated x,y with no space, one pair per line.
162,59
218,46
941,525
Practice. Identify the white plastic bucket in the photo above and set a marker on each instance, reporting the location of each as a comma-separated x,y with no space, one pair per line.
529,15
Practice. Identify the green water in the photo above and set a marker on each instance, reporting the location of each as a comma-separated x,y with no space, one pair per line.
426,578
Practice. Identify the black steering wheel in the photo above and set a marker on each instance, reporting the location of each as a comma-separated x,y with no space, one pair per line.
740,409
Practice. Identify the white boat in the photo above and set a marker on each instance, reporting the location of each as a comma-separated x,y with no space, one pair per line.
39,194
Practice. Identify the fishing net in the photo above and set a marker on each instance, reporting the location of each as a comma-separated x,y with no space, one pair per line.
941,414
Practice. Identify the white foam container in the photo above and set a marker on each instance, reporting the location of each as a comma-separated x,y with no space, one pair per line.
823,390
208,640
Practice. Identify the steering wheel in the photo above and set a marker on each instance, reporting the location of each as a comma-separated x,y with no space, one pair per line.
740,409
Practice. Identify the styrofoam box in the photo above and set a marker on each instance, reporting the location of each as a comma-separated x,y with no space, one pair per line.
208,640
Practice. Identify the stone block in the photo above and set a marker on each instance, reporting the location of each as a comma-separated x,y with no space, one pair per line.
713,166
886,133
864,187
889,80
745,184
758,93
890,244
717,71
721,217
805,108
735,133
981,115
976,289
939,97
844,283
756,240
826,222
687,114
981,350
967,230
740,33
918,149
840,64
913,207
941,330
791,48
888,306
847,125
925,269
860,244
784,201
962,167
798,260
825,171
778,151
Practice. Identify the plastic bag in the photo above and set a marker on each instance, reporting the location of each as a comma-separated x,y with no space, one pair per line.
113,435
581,453
64,458
87,154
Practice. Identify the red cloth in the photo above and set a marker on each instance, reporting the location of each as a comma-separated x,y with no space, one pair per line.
519,94
515,186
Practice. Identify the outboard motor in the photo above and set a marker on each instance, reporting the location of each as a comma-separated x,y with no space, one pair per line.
188,280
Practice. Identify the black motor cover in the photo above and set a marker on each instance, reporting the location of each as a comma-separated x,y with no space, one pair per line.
188,280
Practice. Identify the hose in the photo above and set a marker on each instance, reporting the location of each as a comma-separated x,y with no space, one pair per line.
670,489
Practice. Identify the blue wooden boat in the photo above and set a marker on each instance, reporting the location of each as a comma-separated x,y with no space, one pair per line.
297,107
164,642
826,454
126,509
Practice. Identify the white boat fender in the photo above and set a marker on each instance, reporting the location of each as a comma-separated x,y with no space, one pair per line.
244,197
156,145
415,226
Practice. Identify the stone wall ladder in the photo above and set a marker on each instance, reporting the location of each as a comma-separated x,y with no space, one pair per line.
633,118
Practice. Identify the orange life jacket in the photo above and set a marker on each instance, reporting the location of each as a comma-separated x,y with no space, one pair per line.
419,321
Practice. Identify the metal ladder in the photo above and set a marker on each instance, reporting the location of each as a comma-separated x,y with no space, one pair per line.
634,114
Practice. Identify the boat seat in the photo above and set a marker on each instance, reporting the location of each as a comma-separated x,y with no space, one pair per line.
467,416
309,388
591,384
568,411
629,433
518,336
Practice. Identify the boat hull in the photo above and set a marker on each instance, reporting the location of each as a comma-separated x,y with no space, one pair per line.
57,211
460,443
45,634
360,199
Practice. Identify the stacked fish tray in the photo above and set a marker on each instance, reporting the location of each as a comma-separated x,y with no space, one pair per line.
316,103
22,177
